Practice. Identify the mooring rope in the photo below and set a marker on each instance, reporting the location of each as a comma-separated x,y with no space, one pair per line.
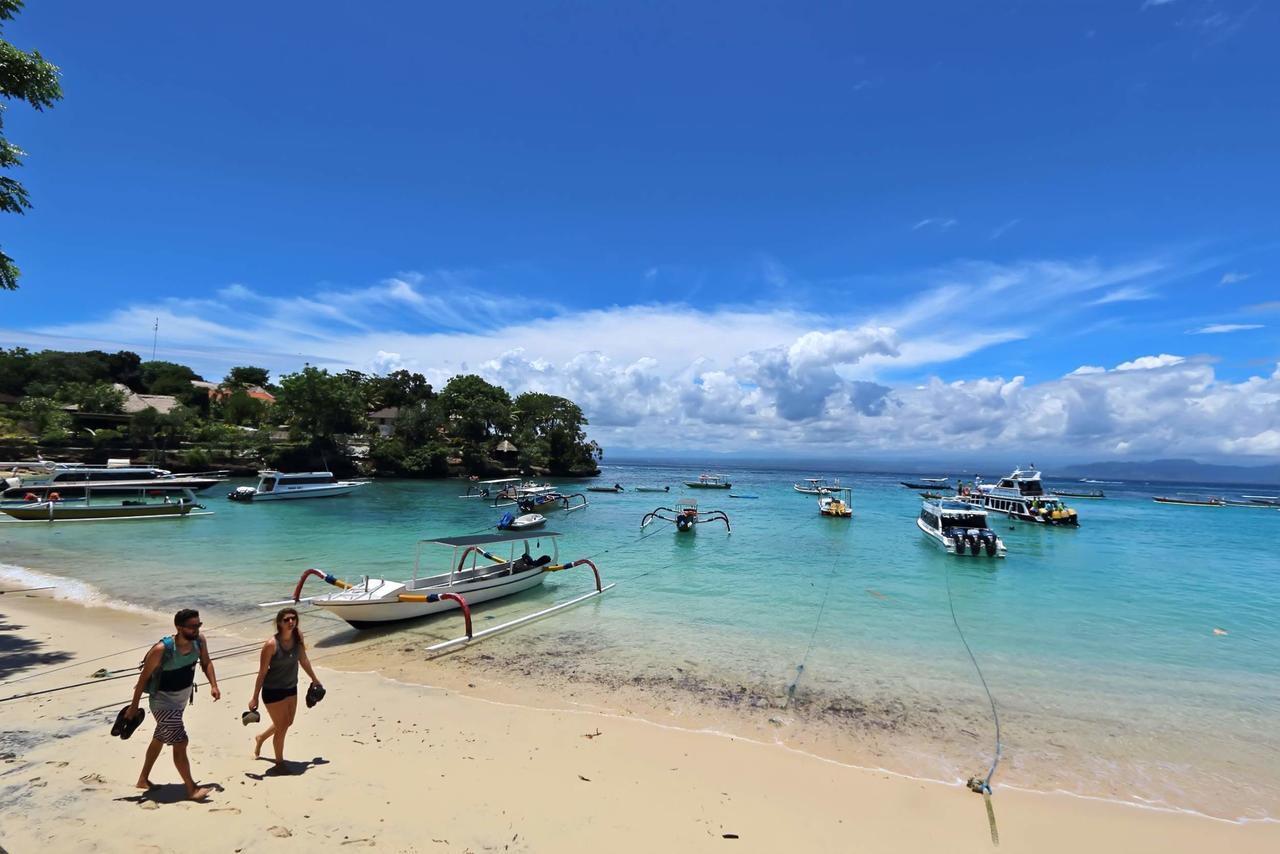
813,639
976,784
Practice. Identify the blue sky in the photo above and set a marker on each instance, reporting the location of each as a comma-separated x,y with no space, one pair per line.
731,225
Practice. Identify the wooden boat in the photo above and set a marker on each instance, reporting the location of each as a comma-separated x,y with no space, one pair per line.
89,510
816,486
1190,502
551,501
837,503
1063,494
617,487
709,481
927,483
685,516
473,574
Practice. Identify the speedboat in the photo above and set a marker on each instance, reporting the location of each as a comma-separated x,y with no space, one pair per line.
955,526
278,486
1020,496
815,486
512,522
837,503
927,483
709,481
473,574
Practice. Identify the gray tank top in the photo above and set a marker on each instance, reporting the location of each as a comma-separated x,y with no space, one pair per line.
282,672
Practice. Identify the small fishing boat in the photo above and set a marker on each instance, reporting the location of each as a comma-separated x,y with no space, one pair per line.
473,574
741,495
486,489
617,487
512,522
87,509
926,483
279,486
652,489
709,481
685,516
551,501
837,503
815,486
955,525
1264,500
1097,493
1190,502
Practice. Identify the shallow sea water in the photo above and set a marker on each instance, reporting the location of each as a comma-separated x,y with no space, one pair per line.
1098,643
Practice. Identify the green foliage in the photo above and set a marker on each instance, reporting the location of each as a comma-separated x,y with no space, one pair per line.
239,408
475,409
159,429
26,76
400,388
197,458
246,376
93,397
318,405
548,432
160,377
45,418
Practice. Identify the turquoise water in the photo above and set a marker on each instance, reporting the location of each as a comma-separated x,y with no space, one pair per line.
1098,643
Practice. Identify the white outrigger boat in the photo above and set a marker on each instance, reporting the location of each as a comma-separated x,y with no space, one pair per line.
709,481
954,525
278,486
837,503
685,516
145,504
816,486
530,504
475,575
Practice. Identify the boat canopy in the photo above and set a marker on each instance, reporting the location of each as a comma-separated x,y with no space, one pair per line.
490,539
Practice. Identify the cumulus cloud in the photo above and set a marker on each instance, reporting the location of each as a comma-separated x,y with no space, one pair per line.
1147,363
1232,278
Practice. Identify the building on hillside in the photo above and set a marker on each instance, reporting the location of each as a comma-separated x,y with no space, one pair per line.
385,420
218,390
134,402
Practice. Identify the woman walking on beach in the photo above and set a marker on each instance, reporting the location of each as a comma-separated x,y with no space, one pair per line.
278,681
168,676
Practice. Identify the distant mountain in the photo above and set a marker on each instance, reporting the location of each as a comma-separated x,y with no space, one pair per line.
1187,471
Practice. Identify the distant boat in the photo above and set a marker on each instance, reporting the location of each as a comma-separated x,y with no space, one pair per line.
1097,493
815,486
1105,482
740,495
617,487
709,481
1190,502
652,489
1264,500
927,483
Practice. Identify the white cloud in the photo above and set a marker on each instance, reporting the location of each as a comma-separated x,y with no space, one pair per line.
1231,278
941,223
1222,328
1129,293
1004,227
1085,370
1147,363
1147,4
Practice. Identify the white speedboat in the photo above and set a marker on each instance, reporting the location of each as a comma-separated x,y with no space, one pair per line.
473,574
512,522
959,528
815,486
279,486
1020,496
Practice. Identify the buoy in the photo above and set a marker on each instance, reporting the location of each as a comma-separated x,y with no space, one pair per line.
1218,631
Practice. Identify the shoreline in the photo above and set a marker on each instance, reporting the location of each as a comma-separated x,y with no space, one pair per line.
779,783
847,731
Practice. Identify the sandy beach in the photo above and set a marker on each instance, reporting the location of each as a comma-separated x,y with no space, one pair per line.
461,766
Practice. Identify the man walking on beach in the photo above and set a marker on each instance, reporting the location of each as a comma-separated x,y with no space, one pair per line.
168,676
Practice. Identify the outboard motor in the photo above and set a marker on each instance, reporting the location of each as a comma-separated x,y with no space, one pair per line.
974,547
242,493
505,521
989,540
684,523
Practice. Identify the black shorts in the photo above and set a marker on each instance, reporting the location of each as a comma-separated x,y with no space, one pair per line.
275,695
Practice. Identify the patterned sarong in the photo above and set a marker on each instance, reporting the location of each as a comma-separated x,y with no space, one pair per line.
169,728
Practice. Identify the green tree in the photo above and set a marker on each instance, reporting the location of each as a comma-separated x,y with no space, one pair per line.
15,370
160,377
399,388
45,418
93,397
318,405
28,77
246,376
475,409
549,432
237,407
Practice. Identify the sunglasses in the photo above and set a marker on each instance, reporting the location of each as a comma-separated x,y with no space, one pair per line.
192,628
289,620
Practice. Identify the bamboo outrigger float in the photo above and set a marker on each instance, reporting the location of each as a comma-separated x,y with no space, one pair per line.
475,575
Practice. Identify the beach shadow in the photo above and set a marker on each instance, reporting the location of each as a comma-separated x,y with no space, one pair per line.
18,654
167,793
290,768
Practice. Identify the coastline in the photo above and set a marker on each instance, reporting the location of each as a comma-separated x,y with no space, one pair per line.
461,764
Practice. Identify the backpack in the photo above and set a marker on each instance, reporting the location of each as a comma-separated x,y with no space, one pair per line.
170,650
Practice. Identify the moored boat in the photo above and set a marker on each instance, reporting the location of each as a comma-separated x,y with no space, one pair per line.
89,509
279,486
957,527
1097,493
1020,496
815,486
837,503
512,522
709,481
927,483
685,516
617,487
1211,501
474,574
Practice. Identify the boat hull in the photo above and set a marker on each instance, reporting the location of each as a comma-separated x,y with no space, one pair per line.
85,513
1186,502
948,545
380,605
693,484
324,491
